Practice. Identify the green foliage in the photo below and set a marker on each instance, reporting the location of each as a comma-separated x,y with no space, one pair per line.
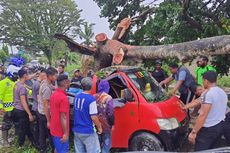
61,51
71,67
171,22
4,54
32,24
221,64
86,33
26,57
224,81
116,10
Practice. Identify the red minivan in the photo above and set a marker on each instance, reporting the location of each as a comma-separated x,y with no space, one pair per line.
147,120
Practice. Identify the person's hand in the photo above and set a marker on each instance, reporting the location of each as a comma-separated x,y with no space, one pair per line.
99,130
162,83
192,137
182,105
171,93
64,138
48,125
2,112
31,118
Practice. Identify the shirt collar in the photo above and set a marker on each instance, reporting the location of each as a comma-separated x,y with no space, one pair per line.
61,90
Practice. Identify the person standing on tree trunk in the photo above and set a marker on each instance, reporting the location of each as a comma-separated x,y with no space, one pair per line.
185,82
45,92
202,68
21,112
209,125
59,121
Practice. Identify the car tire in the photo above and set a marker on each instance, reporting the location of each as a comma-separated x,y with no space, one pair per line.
145,142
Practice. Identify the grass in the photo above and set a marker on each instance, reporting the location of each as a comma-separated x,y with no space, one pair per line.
27,148
224,81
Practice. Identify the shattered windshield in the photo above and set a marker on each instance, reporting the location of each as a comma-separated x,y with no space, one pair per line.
148,86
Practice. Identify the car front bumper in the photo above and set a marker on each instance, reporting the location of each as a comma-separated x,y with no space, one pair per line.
173,139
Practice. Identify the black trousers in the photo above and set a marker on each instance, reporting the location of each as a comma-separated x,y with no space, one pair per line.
22,126
227,129
35,128
207,137
44,133
186,97
7,121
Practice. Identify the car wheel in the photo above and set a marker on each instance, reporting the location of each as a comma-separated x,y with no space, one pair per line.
145,142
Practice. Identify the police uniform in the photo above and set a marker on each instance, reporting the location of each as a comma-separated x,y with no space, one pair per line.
6,103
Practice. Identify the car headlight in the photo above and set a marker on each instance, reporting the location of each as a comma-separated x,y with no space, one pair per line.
168,124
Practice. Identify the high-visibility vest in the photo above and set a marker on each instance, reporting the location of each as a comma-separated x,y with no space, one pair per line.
6,94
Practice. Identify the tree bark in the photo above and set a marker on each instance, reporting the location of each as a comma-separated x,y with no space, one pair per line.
218,45
105,52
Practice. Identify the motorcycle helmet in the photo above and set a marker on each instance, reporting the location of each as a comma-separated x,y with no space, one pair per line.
12,72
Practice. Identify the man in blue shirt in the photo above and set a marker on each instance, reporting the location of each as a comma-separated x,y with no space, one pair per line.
185,83
85,117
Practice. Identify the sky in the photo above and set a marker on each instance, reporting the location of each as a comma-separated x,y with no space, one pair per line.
91,13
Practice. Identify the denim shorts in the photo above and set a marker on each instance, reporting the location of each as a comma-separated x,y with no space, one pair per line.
59,146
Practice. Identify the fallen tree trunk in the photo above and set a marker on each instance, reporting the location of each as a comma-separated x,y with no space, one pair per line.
218,45
107,48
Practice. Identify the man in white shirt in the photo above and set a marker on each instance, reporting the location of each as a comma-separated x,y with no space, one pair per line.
210,122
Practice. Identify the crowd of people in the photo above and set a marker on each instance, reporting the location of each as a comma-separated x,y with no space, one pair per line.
48,118
208,101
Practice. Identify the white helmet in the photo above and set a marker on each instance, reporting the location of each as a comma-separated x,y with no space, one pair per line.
12,72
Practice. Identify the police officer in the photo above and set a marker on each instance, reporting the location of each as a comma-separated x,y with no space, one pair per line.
6,100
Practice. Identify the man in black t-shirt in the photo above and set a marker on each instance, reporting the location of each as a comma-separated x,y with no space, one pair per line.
158,73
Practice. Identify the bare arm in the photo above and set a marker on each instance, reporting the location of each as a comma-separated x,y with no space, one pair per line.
194,103
64,123
177,86
167,80
97,123
32,76
46,110
205,108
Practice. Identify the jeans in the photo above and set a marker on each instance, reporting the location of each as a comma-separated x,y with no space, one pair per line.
105,141
23,126
207,137
44,133
86,143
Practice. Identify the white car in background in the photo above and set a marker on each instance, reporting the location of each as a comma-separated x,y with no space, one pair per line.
33,63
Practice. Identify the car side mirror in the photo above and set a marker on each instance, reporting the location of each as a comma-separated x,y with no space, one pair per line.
128,96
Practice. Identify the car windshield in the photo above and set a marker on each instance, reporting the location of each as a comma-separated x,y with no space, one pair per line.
148,86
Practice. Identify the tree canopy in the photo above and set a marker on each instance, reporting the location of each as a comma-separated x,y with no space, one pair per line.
171,21
4,54
32,24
